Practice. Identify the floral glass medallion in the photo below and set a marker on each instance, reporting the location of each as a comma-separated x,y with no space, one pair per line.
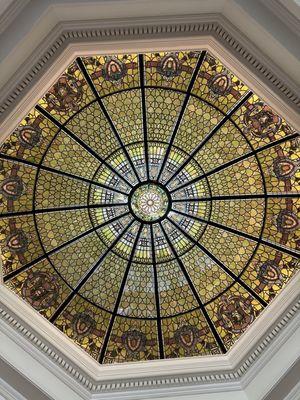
149,202
150,205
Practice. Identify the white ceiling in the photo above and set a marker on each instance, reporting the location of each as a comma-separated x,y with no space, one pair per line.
269,25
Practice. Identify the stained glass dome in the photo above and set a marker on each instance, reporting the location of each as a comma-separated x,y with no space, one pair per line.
149,205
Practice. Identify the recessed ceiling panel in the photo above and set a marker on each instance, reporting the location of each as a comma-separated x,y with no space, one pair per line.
149,206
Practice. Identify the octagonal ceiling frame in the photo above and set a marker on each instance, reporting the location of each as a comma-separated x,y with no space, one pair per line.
212,32
31,332
66,355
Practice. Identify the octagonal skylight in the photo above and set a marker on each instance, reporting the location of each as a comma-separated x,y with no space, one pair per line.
149,205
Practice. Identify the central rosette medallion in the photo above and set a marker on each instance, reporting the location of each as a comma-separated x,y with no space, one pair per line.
149,202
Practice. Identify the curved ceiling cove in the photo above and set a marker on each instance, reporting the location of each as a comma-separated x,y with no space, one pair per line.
149,206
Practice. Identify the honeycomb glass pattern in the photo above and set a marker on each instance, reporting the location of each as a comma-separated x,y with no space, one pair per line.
150,205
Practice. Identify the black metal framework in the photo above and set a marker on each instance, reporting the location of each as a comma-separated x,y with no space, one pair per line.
120,294
194,291
88,274
157,299
182,111
236,160
107,116
210,135
144,114
81,143
139,221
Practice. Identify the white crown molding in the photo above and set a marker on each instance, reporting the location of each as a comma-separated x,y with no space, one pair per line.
35,88
258,23
49,347
287,17
78,370
11,12
294,393
154,34
9,393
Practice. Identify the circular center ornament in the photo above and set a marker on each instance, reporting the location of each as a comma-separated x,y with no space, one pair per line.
149,202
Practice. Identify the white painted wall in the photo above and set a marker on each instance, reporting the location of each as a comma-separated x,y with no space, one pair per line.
285,355
277,40
35,371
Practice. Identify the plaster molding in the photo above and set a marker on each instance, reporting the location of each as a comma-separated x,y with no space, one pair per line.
129,32
8,392
286,16
294,393
52,349
227,372
11,12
